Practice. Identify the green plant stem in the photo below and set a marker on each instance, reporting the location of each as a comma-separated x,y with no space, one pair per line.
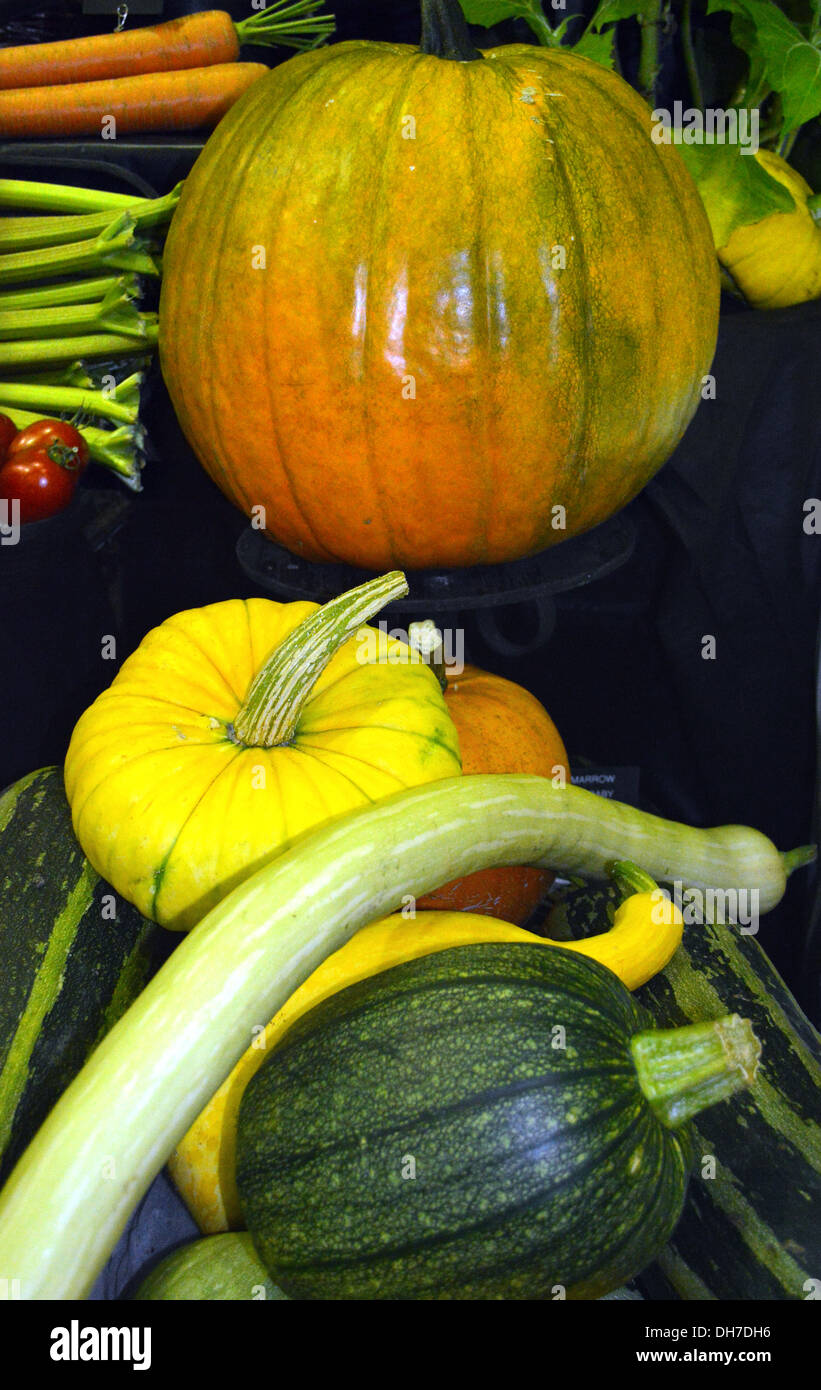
445,33
785,148
541,27
39,351
72,292
120,405
649,24
288,24
270,711
683,1070
25,233
690,63
119,450
62,198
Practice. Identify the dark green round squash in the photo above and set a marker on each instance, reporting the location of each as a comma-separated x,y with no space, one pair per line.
472,1125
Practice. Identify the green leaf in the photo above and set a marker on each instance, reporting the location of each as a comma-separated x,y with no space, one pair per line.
790,63
595,42
490,12
734,188
599,47
609,11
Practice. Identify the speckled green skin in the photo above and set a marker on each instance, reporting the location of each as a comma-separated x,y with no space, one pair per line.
216,1269
536,1166
752,1231
67,971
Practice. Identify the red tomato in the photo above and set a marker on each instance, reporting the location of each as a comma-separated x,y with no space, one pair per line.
43,433
41,485
8,430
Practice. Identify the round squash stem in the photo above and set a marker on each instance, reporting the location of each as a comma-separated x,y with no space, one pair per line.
270,711
630,879
445,33
426,639
793,859
683,1070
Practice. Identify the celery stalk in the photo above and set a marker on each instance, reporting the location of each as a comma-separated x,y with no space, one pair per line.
72,292
64,374
39,351
116,247
59,197
113,314
23,233
120,405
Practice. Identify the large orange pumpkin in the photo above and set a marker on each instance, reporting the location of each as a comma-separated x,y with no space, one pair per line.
417,301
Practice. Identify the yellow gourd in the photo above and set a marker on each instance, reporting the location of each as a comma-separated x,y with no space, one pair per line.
235,728
777,261
646,931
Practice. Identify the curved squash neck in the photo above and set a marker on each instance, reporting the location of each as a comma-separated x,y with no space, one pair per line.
445,33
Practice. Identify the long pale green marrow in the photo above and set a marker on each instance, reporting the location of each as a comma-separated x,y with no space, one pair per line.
76,1185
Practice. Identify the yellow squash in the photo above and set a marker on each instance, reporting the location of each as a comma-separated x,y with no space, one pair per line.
646,932
235,728
777,261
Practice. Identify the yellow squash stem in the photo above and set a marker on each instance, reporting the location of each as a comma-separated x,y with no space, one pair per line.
74,1189
271,709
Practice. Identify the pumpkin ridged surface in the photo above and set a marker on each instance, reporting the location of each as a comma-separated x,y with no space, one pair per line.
528,1172
429,260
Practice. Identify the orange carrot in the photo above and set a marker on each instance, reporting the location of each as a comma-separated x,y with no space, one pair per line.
194,41
189,99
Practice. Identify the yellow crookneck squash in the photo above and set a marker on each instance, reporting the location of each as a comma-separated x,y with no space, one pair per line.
646,931
235,728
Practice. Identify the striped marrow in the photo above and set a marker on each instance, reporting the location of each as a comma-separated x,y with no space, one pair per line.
494,1121
73,955
753,1230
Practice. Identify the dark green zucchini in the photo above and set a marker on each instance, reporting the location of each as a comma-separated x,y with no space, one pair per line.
492,1121
73,956
752,1231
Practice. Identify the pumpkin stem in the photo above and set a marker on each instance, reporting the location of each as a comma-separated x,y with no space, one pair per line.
445,33
270,711
683,1070
426,639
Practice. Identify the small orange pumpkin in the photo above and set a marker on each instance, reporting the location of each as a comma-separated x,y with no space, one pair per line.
501,728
